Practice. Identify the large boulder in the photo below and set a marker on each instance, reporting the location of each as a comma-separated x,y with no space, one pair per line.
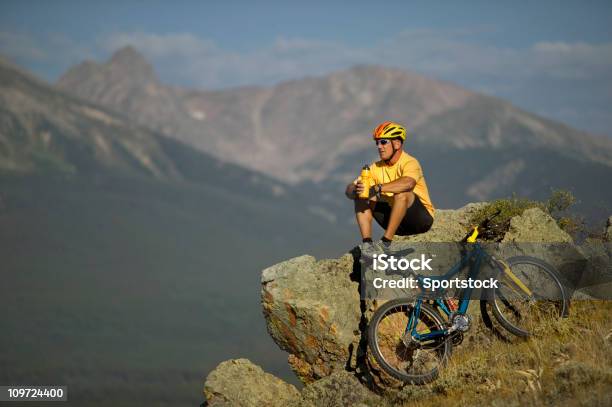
596,279
535,226
535,233
240,383
608,233
585,268
312,311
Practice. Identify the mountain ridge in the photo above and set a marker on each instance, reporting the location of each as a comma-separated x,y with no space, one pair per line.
46,129
297,130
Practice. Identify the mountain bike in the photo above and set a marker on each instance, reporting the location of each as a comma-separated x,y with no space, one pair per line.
412,339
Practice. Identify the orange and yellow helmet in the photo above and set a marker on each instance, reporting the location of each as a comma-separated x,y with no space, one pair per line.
389,130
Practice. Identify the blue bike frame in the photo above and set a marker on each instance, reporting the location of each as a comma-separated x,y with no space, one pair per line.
477,254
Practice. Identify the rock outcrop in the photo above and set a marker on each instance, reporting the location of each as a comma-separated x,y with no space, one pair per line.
536,234
535,226
313,312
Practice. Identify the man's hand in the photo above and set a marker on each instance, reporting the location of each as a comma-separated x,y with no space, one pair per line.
354,188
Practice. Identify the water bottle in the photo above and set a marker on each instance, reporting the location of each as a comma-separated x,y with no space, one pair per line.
366,180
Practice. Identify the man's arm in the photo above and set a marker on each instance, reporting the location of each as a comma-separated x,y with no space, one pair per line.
402,184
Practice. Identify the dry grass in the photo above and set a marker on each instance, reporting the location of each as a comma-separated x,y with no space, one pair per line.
567,362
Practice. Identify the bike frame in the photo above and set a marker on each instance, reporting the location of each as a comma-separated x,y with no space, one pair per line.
478,254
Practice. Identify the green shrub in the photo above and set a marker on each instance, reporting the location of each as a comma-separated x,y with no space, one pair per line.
508,208
558,206
560,201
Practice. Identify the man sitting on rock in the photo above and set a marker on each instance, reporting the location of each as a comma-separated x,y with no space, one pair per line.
398,198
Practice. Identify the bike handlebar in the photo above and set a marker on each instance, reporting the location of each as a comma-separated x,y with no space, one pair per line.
482,225
486,222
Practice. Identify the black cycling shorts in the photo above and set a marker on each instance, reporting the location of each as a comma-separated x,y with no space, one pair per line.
417,219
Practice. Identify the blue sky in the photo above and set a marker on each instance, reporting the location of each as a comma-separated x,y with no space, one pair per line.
550,57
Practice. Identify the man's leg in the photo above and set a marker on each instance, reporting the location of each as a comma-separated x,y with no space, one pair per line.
363,212
401,203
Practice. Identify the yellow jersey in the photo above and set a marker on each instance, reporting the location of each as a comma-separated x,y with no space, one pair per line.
406,166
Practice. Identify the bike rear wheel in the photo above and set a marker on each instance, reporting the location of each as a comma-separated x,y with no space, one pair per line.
416,362
520,312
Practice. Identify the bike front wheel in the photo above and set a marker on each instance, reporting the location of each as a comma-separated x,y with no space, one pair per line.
528,296
408,360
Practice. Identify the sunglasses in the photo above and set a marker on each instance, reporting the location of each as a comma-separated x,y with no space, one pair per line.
382,142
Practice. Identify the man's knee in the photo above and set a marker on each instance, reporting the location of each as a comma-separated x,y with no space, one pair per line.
404,197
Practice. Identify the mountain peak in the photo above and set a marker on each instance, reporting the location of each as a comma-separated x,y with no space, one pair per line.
126,69
128,55
131,63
